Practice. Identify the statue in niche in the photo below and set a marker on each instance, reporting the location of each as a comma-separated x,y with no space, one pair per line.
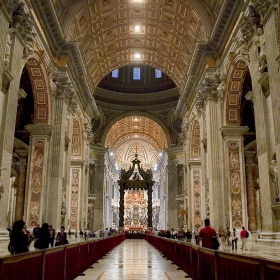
8,50
221,80
259,41
274,175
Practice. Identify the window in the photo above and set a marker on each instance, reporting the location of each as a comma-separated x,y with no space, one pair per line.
158,74
115,73
136,73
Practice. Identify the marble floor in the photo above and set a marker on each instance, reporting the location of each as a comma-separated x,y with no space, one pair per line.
133,260
136,259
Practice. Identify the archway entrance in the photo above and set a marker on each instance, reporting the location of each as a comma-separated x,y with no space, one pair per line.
135,145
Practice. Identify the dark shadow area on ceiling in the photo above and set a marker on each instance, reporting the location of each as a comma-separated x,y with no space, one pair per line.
146,80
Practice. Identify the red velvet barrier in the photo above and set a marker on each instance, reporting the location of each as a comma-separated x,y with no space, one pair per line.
232,267
91,252
72,262
61,263
186,266
54,264
23,267
202,264
84,258
179,254
271,270
194,262
206,265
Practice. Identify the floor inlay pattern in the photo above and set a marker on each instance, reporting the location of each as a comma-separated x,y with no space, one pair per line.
133,260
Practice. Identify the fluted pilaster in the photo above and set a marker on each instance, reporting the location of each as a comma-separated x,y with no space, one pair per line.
21,167
251,199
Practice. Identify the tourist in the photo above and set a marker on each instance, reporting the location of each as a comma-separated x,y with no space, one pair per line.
36,232
106,232
227,235
259,233
189,235
243,236
221,234
61,238
208,235
196,234
52,235
234,239
44,235
18,238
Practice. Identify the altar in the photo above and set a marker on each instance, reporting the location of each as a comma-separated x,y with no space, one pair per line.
135,210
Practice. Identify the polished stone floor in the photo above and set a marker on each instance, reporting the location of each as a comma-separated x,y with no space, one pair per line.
133,260
267,251
136,259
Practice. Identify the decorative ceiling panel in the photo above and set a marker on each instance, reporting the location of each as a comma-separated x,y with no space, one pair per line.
169,31
133,129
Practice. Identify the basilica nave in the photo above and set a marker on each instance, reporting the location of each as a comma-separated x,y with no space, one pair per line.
188,89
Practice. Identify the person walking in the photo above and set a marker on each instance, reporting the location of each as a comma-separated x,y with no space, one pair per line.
18,238
208,235
234,239
243,236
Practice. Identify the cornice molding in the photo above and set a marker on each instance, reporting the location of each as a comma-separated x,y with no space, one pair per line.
59,46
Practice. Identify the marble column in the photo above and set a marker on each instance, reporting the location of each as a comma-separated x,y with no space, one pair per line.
8,113
97,158
121,209
195,213
150,206
37,174
265,139
20,198
251,200
236,181
76,210
214,159
273,80
57,159
172,206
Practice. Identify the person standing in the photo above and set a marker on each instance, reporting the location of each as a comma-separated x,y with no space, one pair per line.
228,234
106,232
234,239
18,238
45,235
221,233
36,232
61,238
243,236
208,235
52,235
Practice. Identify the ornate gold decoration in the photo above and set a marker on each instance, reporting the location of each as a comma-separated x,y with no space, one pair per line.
74,198
36,182
197,197
235,184
76,139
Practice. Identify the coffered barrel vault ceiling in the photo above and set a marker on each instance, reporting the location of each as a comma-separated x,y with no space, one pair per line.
133,135
167,33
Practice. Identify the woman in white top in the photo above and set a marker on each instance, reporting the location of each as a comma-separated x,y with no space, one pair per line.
234,240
